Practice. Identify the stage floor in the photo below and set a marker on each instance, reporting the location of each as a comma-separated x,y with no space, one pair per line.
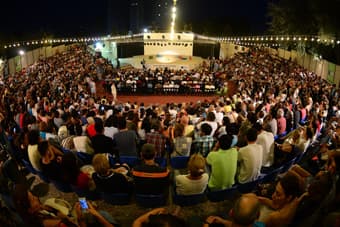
158,99
162,61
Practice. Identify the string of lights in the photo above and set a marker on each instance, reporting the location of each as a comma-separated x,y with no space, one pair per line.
240,40
173,19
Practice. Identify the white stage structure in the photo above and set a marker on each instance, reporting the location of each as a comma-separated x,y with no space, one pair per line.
174,44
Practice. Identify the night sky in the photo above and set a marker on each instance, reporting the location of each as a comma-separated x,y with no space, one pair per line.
65,18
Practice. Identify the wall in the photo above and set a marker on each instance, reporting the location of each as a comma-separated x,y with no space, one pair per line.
30,57
228,50
320,66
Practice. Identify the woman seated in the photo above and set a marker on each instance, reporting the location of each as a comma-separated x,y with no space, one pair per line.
72,173
294,144
196,181
181,143
110,180
280,210
50,161
34,213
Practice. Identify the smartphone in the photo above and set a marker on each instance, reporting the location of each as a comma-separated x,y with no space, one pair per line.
83,203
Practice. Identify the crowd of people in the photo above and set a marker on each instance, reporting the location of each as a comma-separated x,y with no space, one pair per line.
51,111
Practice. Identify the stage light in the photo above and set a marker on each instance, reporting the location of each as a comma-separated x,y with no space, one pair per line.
99,46
21,52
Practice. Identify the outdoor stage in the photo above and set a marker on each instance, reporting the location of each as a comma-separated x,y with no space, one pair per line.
175,62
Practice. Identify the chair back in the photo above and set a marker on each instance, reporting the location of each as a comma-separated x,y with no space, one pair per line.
179,162
116,198
221,195
247,187
149,200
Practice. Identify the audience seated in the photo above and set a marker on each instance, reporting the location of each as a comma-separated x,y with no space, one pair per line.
149,177
196,181
250,158
110,180
245,212
125,140
51,159
204,142
181,144
284,202
223,163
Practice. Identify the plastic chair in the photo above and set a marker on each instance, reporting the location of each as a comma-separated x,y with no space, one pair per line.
161,161
221,195
130,160
179,162
85,157
116,198
29,166
247,187
187,200
149,200
270,177
287,165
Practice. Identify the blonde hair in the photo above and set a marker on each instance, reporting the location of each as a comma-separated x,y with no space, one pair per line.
196,165
101,164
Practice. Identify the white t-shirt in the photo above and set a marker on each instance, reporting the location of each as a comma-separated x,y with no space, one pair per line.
186,186
250,158
266,140
34,156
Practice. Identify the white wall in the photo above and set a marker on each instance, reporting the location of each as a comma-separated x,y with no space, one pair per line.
228,50
165,44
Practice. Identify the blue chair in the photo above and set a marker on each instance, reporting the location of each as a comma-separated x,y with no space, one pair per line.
130,160
280,136
85,157
287,165
187,200
221,195
270,177
179,162
116,198
29,166
248,187
161,161
149,200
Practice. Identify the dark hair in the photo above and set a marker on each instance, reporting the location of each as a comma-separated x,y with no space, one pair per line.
251,135
99,126
70,168
33,137
211,116
225,141
206,128
42,147
22,205
121,123
290,184
148,151
309,133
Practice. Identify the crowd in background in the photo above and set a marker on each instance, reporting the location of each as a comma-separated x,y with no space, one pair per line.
51,110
